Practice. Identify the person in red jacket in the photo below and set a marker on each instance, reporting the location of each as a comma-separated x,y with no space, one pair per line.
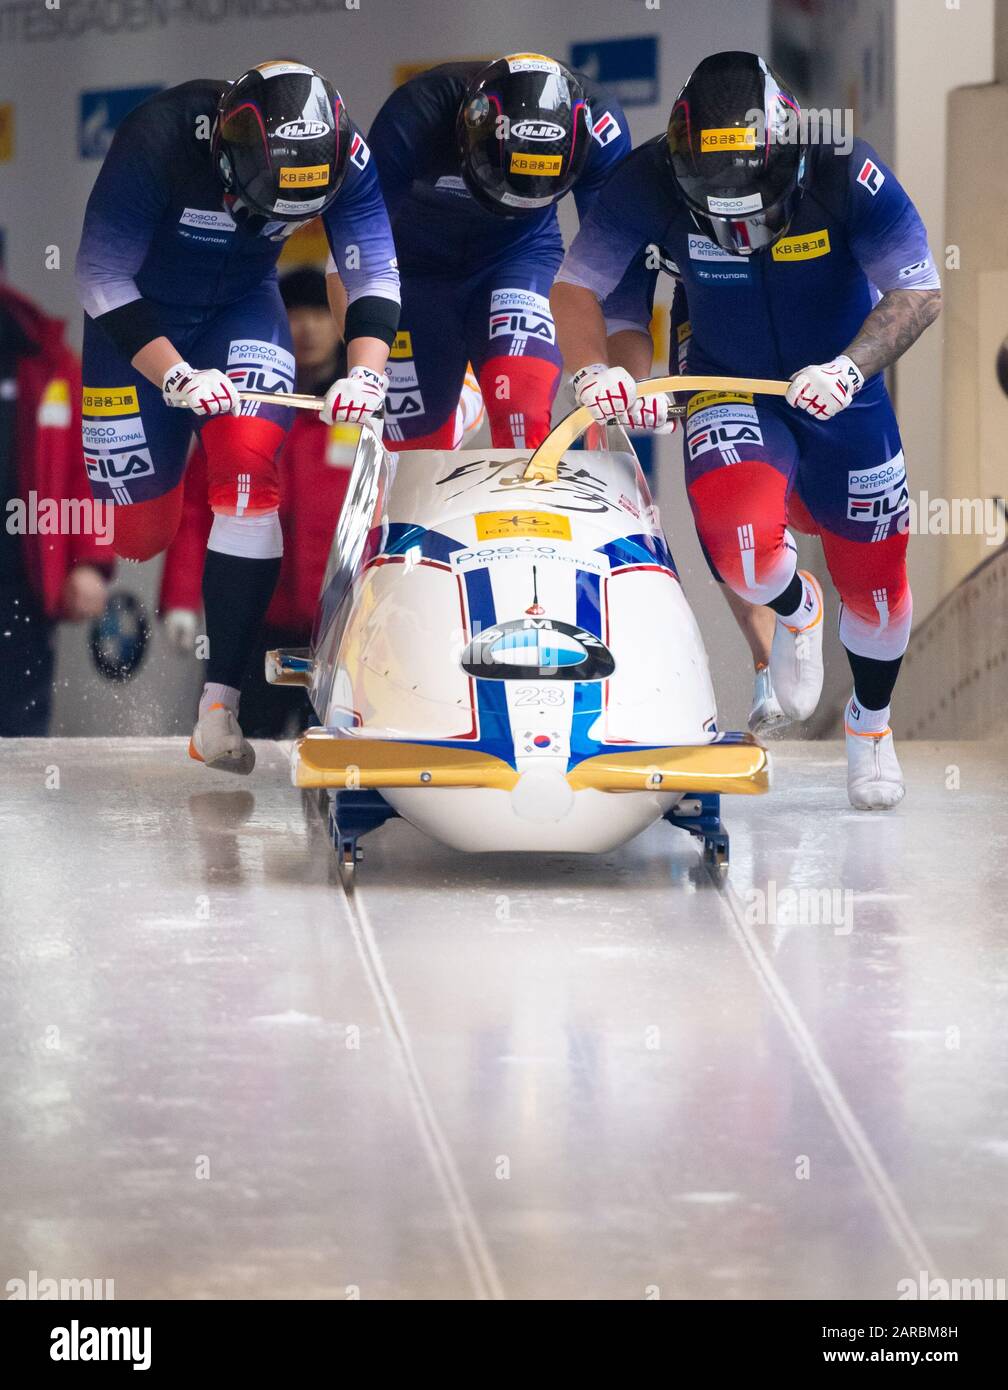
50,569
314,466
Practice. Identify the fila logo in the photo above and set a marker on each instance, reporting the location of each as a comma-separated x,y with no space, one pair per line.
871,176
110,468
359,152
405,404
529,325
606,128
725,437
883,507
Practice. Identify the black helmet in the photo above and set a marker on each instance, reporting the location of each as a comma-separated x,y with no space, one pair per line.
737,153
523,133
281,142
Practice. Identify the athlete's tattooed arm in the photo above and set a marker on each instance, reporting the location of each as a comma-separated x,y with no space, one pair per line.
896,322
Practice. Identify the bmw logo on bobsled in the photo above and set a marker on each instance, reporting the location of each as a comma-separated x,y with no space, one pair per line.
510,663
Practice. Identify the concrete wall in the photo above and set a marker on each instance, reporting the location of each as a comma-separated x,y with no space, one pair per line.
897,63
938,49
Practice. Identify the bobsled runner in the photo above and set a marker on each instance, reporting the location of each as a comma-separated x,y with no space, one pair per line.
504,656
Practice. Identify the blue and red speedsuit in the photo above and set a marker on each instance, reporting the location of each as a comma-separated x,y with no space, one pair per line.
161,255
475,286
753,465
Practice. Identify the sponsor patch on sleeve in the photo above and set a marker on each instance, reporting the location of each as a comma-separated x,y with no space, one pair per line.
606,128
360,153
871,177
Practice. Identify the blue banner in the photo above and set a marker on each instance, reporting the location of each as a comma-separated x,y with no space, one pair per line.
100,113
628,67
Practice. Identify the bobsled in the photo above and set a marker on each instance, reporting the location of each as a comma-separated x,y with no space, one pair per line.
506,658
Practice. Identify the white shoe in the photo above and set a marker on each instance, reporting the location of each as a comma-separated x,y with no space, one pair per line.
218,741
766,716
796,660
874,776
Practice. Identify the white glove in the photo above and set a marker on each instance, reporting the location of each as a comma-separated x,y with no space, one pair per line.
649,413
825,390
607,391
208,392
180,628
354,398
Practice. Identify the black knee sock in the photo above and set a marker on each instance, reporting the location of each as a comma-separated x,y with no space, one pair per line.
236,594
874,680
787,603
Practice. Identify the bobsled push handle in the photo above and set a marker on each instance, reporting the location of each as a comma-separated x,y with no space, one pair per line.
292,399
542,466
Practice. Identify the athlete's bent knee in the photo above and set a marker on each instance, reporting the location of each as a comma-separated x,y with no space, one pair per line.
740,512
241,453
142,530
871,579
518,394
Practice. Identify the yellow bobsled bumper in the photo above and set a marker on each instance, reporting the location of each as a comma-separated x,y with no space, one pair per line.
321,760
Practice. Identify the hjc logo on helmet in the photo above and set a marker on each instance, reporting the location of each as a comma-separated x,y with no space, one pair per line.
537,130
302,130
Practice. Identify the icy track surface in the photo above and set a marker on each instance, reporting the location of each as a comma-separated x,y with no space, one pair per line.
515,1077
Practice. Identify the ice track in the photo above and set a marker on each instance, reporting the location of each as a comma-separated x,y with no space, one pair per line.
508,1077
